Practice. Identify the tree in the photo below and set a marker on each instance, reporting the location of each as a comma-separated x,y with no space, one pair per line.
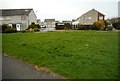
100,25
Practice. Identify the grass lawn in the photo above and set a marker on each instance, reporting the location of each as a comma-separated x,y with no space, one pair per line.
0,43
74,55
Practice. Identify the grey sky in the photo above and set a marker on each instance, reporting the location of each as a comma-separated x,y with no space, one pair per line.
63,9
119,9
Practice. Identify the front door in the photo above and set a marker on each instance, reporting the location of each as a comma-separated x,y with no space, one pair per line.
18,27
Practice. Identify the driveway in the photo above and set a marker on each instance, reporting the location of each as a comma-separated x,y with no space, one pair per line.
16,69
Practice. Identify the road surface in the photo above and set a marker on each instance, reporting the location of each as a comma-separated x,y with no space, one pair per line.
16,69
0,66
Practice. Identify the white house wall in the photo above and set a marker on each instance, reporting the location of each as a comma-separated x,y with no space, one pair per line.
32,17
15,20
89,18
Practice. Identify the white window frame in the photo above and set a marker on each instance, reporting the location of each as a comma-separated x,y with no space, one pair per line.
1,19
8,19
10,25
100,17
88,18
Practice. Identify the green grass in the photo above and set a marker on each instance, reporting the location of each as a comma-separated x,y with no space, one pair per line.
74,55
0,43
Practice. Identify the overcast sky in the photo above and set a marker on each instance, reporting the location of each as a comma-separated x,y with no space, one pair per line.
63,9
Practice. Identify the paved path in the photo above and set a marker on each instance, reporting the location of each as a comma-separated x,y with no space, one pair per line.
0,66
16,69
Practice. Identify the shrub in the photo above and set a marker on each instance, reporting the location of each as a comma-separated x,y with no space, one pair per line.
31,30
0,28
34,26
80,27
36,29
95,27
87,27
38,26
116,25
23,31
84,27
109,28
67,25
4,27
10,30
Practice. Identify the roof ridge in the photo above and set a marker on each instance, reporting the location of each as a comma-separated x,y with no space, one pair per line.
18,9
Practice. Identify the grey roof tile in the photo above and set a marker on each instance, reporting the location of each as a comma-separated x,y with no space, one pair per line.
14,12
49,20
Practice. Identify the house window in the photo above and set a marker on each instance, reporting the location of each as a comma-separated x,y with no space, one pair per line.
88,18
8,19
100,17
23,17
1,19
